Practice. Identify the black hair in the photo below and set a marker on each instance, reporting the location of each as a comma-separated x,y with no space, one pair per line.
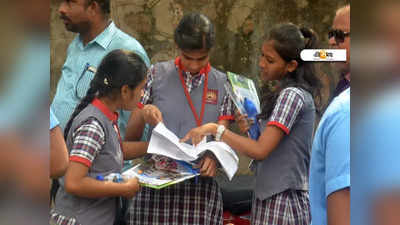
195,32
104,5
288,41
117,68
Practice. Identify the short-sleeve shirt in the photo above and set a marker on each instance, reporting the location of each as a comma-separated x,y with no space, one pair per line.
80,67
330,159
53,120
88,139
288,105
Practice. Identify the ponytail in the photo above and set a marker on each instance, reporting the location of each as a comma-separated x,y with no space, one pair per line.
90,95
310,38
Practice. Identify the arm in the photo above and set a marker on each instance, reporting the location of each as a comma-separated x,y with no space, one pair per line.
144,112
135,127
338,207
281,121
78,183
88,142
133,150
58,153
337,142
259,149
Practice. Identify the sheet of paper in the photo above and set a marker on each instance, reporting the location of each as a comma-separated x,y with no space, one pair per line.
164,142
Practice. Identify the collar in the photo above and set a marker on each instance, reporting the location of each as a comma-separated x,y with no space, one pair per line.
113,116
204,70
104,38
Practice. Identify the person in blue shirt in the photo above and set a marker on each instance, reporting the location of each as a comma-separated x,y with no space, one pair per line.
330,157
330,165
97,35
58,149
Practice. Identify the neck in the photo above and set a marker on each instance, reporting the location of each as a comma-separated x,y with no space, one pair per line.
112,105
94,30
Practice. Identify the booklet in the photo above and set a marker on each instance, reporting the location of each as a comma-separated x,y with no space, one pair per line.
244,95
240,88
164,142
158,173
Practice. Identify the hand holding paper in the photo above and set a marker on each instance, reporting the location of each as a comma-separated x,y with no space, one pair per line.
152,115
197,134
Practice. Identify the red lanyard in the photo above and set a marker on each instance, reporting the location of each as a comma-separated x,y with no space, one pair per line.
198,119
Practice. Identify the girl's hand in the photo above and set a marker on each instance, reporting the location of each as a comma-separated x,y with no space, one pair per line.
242,122
197,134
208,166
152,115
132,187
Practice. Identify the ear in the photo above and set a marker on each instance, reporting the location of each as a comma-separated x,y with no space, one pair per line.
93,8
292,66
125,92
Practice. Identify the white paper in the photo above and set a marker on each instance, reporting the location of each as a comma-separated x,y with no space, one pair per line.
164,142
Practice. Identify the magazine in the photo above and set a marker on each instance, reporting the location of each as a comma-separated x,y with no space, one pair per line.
239,88
244,95
157,173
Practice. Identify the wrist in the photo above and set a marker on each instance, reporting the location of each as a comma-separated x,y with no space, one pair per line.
220,131
214,128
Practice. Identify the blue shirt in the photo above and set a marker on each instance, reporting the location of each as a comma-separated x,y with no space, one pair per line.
330,156
79,69
53,120
375,166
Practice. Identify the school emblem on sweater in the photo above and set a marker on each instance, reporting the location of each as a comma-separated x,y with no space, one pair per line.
212,96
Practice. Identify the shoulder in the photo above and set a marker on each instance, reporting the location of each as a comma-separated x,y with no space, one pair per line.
125,41
292,93
218,74
90,126
339,106
337,113
164,67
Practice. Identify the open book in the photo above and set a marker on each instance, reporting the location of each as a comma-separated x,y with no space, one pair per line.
163,142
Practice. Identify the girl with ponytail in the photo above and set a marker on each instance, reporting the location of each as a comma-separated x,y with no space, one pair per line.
95,146
282,152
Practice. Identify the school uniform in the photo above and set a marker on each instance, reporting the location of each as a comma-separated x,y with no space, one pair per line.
186,102
94,141
280,194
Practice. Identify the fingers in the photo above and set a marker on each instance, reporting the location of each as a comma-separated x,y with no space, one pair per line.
152,115
204,167
194,135
184,139
208,167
